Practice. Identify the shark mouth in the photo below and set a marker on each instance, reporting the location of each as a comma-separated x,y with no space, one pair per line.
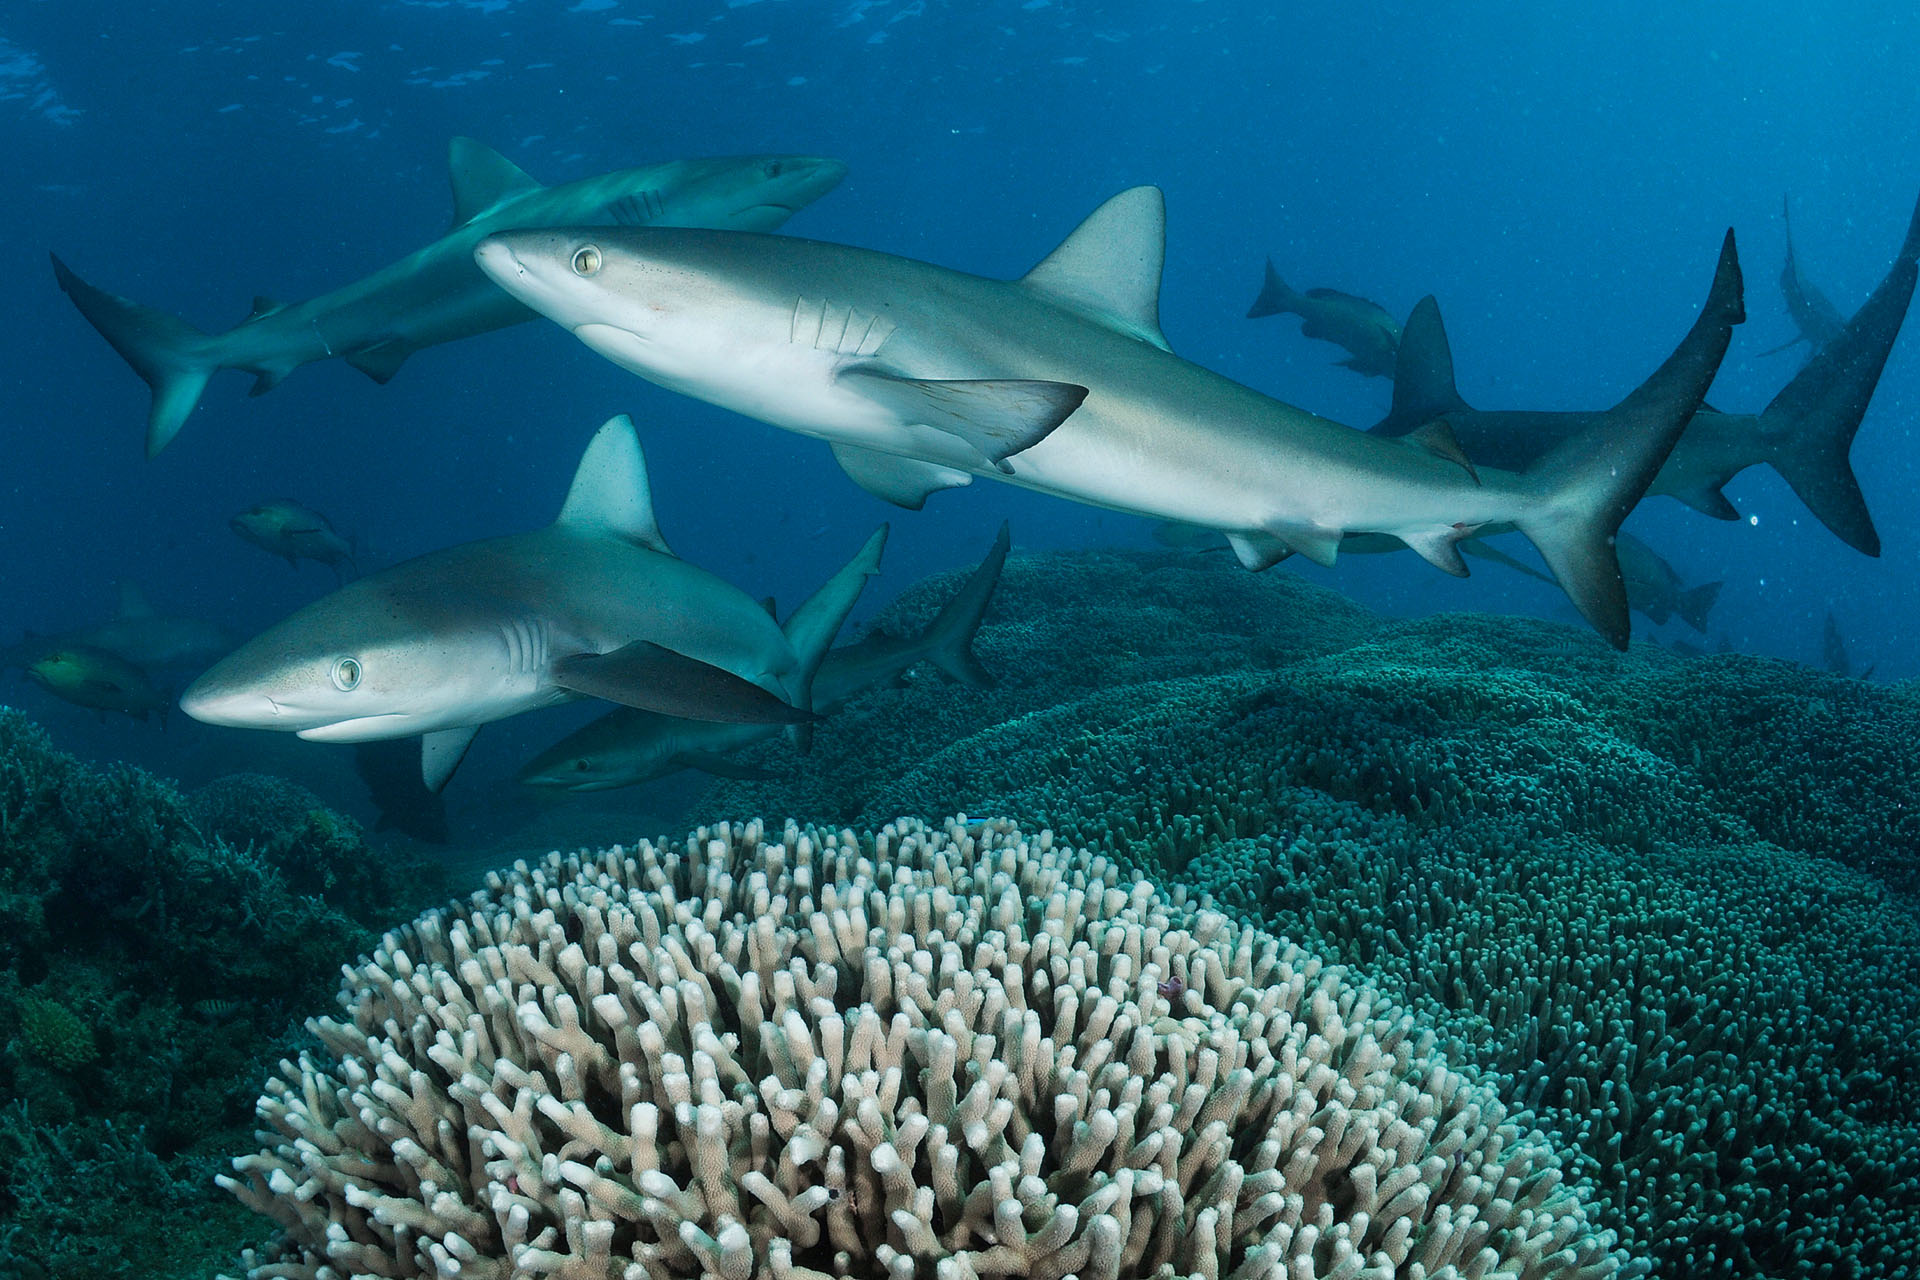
393,724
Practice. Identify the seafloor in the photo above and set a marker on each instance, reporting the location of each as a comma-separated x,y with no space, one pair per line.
1665,903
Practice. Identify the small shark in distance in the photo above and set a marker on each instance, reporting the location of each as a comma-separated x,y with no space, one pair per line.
135,634
922,378
627,747
1805,433
593,605
294,532
1654,586
434,294
1366,329
1817,319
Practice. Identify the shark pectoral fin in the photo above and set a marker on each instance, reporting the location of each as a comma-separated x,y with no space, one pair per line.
1440,548
482,178
441,753
653,678
997,416
380,361
721,767
905,482
1437,438
1258,549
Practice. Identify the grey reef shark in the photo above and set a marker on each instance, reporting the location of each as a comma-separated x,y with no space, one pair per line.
135,634
922,378
434,294
1816,318
593,605
628,746
1805,433
1654,587
1366,329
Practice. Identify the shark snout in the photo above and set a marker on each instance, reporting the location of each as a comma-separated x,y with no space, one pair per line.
215,702
496,257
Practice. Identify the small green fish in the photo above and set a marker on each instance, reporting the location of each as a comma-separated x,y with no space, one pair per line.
295,532
95,678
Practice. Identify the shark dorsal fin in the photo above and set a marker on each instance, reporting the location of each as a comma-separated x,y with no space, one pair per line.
1109,268
610,493
133,602
482,178
265,306
1423,387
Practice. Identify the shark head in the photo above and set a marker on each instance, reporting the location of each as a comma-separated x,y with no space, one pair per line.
618,750
384,657
732,193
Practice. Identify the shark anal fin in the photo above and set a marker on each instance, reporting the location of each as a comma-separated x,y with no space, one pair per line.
997,416
1257,549
905,482
653,678
267,377
482,178
441,753
1440,548
380,361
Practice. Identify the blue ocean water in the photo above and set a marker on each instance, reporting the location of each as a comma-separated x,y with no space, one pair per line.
1558,176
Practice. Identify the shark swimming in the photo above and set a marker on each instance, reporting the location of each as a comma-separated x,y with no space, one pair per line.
628,746
1817,319
922,378
1805,433
593,605
136,634
434,294
1366,329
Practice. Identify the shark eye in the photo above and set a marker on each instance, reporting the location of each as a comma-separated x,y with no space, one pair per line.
586,260
346,674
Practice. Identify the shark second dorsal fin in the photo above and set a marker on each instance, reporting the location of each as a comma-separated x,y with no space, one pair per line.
482,178
133,602
610,493
1423,387
1109,268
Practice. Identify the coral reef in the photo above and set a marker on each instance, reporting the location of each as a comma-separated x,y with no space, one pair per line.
964,1052
1666,902
151,968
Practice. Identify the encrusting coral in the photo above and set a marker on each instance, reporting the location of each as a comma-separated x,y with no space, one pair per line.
957,1052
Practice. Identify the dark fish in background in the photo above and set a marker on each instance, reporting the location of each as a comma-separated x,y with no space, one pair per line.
136,635
295,532
1369,333
1817,319
391,769
436,294
626,747
1805,433
100,680
1833,653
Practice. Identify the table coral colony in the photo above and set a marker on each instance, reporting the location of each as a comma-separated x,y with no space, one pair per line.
962,1051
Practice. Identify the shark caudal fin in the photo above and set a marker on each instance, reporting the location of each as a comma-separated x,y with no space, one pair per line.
1815,416
168,352
1589,483
1696,603
812,627
1276,296
948,640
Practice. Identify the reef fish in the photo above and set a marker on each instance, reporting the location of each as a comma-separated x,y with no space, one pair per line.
1366,329
295,532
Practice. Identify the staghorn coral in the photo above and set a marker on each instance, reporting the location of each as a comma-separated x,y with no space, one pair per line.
962,1052
1666,901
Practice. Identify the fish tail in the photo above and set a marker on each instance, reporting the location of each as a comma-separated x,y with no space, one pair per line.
169,353
1276,296
1588,484
812,627
948,639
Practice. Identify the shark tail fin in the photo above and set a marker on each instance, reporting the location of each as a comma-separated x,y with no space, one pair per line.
1588,484
1815,464
168,352
1276,296
1695,604
949,637
812,627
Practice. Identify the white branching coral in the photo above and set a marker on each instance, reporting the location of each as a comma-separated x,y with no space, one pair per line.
933,1053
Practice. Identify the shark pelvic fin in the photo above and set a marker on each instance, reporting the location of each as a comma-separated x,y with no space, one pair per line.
1423,386
610,493
1257,548
1440,548
268,376
482,178
1109,268
652,678
905,482
381,361
997,416
441,753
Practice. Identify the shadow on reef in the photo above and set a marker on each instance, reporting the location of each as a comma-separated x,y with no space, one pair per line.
1668,903
156,956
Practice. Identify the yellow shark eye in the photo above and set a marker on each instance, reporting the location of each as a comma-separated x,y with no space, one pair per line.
586,260
346,674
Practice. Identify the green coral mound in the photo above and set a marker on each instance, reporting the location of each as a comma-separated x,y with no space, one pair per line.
155,959
1667,902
